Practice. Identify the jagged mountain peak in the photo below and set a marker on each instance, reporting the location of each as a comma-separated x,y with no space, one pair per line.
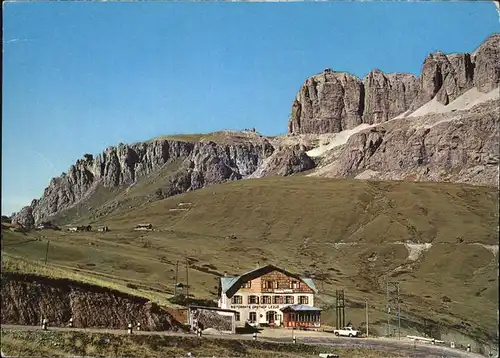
324,105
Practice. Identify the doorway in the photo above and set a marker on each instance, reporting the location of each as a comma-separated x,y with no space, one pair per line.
271,317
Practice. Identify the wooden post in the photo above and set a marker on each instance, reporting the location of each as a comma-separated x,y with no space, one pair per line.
44,324
47,252
254,336
130,328
71,322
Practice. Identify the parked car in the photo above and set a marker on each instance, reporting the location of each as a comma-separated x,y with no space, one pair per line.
347,332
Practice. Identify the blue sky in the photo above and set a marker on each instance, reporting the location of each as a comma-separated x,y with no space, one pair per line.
81,76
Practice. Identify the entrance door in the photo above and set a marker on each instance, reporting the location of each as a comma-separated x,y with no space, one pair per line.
270,317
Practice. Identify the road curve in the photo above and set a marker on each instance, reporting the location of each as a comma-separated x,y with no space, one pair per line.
412,350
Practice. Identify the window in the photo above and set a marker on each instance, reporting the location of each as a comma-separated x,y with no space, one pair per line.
237,300
294,284
247,284
267,284
275,284
278,300
289,300
303,300
253,300
252,317
266,300
237,316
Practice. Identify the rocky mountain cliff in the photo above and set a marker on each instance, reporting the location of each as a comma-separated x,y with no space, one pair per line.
460,147
202,163
332,101
456,147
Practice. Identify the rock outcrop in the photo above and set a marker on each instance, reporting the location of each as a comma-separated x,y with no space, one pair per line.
27,299
328,102
444,77
486,62
202,164
24,217
210,163
457,147
114,167
387,95
285,161
331,102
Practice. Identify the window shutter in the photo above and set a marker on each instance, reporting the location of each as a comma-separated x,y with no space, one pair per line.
248,298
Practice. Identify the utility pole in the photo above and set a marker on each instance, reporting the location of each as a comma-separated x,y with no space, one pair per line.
187,279
340,309
388,309
47,252
343,309
366,306
176,277
399,316
388,298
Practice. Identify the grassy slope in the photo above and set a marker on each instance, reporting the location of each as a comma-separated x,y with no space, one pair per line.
63,344
294,223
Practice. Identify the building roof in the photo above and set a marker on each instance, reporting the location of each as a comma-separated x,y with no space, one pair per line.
229,283
296,308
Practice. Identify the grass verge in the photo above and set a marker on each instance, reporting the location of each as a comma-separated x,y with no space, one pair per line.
63,344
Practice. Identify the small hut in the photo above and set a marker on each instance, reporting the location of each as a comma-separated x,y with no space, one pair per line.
301,316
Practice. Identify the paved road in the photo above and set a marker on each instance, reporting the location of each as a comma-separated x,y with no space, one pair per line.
418,350
412,350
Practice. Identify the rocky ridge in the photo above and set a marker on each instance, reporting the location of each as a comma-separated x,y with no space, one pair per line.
203,163
331,101
460,147
460,150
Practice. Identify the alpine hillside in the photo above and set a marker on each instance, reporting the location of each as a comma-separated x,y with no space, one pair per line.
441,126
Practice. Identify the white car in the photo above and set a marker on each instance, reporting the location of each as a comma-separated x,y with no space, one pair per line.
346,332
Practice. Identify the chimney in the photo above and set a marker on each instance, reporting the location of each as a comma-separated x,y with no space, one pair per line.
225,273
257,265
